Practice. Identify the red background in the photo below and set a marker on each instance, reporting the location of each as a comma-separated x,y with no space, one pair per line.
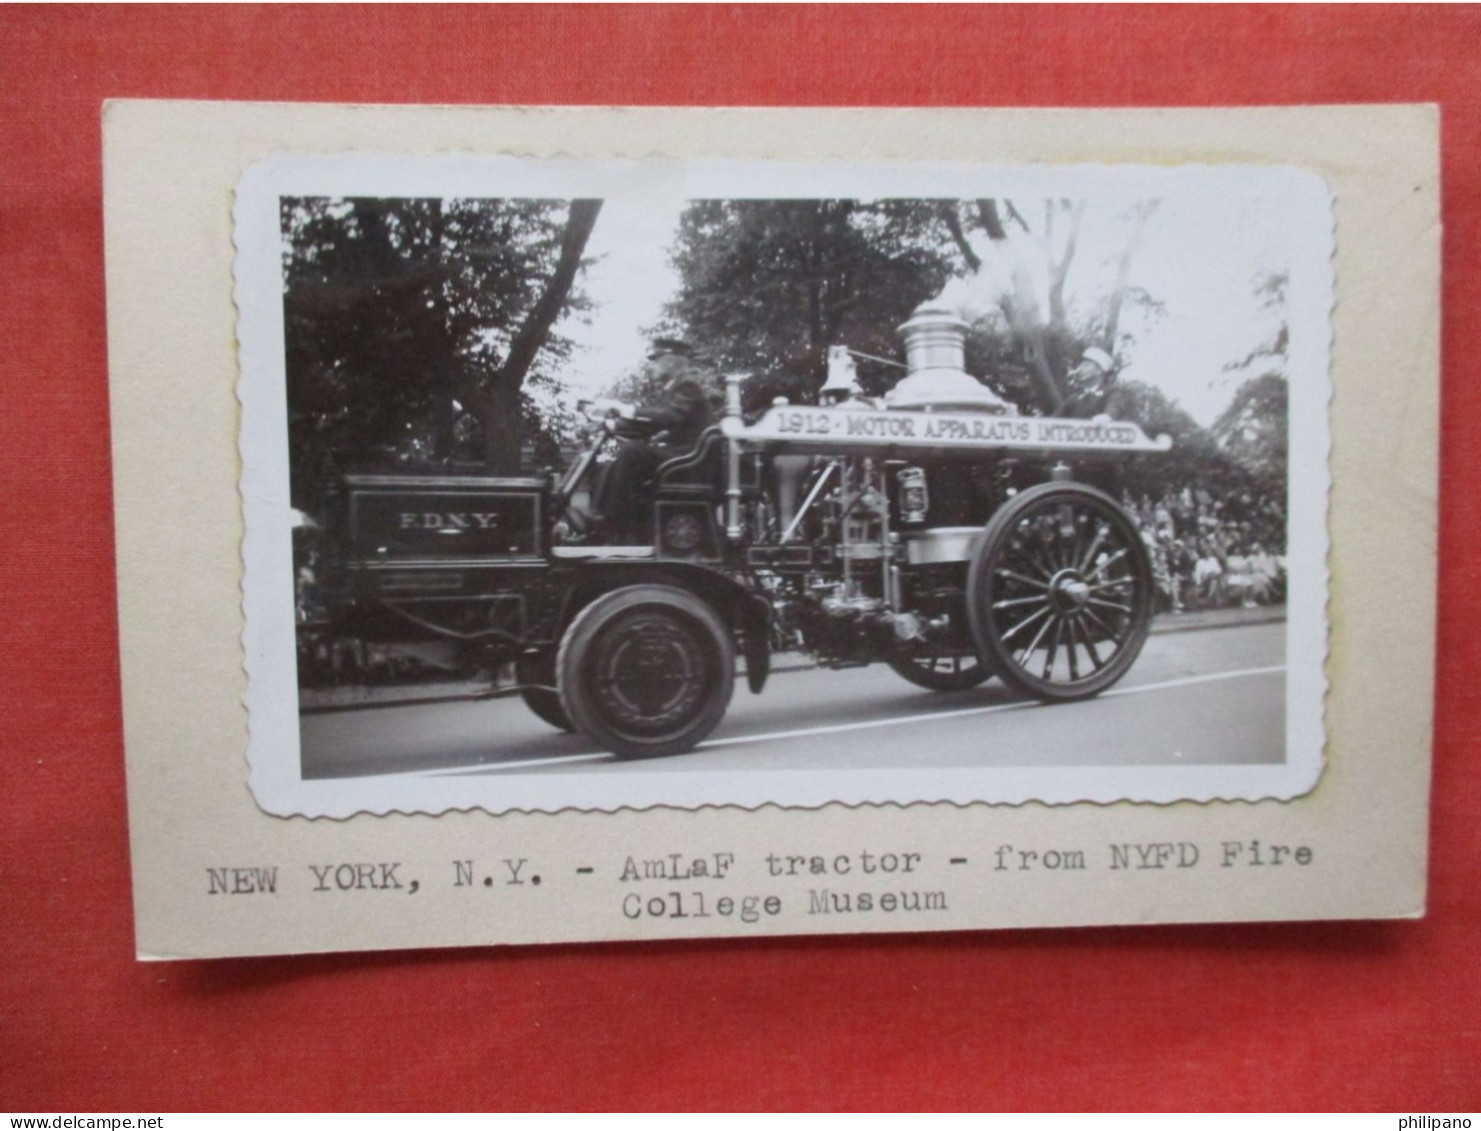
1339,1015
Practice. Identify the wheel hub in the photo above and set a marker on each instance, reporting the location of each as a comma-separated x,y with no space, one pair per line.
1068,592
651,674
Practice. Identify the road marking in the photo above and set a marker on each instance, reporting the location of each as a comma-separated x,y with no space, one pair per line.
527,763
993,710
1186,680
839,728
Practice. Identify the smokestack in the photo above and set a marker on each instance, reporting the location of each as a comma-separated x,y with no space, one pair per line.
935,342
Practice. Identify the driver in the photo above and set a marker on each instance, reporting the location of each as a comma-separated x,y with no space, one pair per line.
665,427
1094,376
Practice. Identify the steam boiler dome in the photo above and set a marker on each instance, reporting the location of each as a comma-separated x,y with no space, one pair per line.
937,378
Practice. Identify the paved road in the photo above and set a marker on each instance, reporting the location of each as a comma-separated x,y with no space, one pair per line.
1204,696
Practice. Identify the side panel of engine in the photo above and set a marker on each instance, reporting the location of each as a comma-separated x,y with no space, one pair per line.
420,520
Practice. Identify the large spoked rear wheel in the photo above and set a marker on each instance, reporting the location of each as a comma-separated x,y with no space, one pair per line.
646,671
1060,592
941,672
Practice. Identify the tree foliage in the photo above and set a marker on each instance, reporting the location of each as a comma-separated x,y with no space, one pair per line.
1269,353
1253,430
1195,456
768,286
416,329
1036,327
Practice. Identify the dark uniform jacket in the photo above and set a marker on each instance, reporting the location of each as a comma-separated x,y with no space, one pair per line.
676,418
670,424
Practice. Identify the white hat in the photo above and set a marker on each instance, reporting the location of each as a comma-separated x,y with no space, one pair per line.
1100,357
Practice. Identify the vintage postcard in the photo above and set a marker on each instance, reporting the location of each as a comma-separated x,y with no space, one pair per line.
564,454
632,534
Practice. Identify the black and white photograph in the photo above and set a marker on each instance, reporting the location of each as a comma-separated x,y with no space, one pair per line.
603,485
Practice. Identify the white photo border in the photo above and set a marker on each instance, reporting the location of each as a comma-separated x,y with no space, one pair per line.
1305,213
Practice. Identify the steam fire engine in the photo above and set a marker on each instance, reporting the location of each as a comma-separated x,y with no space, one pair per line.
940,533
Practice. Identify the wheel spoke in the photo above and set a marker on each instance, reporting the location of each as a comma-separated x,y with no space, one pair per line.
1074,666
1100,534
1049,652
1109,631
1009,602
1028,620
1012,576
1090,648
1026,553
1052,543
1108,605
1068,517
1045,547
1021,659
1100,569
1038,555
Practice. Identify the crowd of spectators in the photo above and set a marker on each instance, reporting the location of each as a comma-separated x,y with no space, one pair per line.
1213,551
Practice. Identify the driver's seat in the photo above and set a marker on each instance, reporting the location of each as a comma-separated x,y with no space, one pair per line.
698,471
685,494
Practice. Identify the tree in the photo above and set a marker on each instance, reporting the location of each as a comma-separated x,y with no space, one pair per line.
1269,353
1253,430
1195,456
415,328
493,393
768,285
1034,332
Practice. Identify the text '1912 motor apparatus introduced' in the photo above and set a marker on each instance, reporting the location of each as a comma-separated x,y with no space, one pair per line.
938,532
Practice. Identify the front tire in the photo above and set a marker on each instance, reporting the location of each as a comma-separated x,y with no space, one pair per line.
646,671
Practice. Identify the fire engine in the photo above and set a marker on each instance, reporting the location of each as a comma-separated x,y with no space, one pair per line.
938,532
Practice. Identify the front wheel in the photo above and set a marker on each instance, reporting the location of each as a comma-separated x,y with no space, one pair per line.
1060,592
646,671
